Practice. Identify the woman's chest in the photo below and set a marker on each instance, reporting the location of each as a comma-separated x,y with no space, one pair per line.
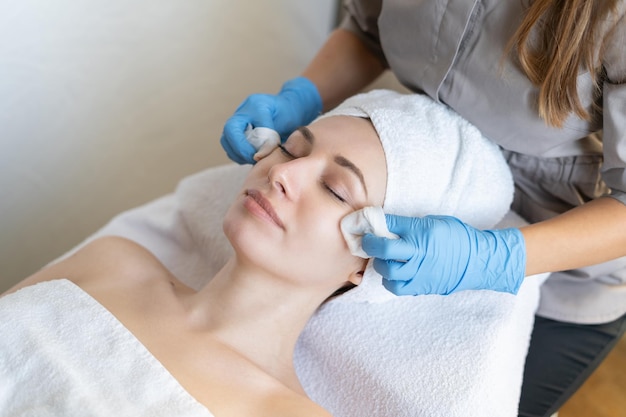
211,372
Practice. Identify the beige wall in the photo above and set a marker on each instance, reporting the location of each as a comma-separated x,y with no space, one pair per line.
107,104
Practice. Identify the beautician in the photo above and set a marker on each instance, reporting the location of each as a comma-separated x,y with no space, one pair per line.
544,79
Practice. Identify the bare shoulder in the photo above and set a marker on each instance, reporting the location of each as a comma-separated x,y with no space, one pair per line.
106,247
110,256
114,260
115,252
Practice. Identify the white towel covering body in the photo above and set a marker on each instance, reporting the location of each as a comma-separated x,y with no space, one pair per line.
63,354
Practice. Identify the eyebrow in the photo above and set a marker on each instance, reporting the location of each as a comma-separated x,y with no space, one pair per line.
308,135
339,160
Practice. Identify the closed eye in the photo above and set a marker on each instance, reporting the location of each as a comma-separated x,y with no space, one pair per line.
333,192
285,152
324,185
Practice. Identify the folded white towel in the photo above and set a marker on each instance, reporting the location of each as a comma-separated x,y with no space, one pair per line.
457,355
437,163
64,354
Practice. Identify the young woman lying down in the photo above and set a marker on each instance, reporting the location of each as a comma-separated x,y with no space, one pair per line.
110,331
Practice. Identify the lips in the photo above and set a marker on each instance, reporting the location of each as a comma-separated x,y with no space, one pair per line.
265,205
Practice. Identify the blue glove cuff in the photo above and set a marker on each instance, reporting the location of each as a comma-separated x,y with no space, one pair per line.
513,267
307,95
497,261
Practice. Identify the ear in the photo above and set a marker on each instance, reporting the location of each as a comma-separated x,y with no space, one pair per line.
357,276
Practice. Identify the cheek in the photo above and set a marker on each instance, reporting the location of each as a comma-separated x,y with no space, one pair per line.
312,252
323,242
260,171
321,230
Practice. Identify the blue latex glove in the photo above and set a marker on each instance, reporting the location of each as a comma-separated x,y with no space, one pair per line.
297,104
442,255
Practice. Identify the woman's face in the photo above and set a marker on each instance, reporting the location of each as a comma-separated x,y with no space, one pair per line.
287,217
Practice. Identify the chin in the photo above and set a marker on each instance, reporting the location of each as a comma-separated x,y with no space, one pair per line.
246,237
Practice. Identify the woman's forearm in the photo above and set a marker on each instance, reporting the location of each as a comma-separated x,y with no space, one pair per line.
342,67
592,233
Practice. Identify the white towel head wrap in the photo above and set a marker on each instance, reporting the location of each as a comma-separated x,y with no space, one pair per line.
437,163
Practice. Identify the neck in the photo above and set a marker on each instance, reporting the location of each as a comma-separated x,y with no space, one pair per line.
257,315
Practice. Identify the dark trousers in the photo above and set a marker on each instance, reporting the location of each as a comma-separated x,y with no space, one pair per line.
561,357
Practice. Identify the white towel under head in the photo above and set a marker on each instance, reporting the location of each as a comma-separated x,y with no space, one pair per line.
437,163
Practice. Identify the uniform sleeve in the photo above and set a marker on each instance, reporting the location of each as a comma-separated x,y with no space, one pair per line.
361,18
614,112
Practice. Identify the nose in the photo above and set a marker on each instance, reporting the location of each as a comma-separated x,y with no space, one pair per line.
292,178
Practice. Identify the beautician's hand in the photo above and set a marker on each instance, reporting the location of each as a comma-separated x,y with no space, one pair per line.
441,255
297,104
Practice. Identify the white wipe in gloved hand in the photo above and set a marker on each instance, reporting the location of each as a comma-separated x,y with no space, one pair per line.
264,140
367,220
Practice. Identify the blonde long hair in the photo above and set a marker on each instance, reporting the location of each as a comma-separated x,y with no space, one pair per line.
567,41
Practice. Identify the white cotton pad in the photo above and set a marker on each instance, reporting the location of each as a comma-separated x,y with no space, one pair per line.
263,139
367,220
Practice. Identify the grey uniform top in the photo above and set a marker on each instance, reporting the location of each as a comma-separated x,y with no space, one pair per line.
453,51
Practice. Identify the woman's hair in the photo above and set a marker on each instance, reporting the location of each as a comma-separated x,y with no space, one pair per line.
566,41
